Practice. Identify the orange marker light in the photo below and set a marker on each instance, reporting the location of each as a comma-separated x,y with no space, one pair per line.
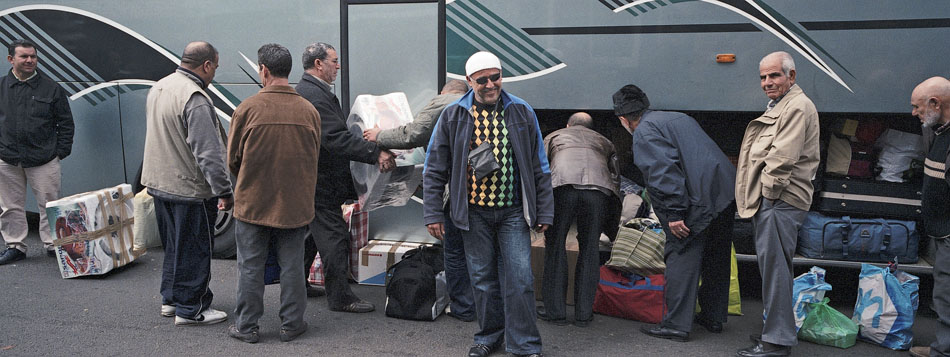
725,58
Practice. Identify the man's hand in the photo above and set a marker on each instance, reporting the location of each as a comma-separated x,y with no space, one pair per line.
679,229
387,161
541,228
225,204
370,134
436,230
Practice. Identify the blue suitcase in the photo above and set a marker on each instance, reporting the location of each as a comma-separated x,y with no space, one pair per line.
858,239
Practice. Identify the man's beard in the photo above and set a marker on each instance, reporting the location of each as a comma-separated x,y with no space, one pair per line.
930,118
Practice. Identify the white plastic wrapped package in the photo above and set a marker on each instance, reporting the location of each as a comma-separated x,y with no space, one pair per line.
93,231
392,188
898,149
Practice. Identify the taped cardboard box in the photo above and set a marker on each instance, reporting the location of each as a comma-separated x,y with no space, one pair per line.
379,255
537,262
93,231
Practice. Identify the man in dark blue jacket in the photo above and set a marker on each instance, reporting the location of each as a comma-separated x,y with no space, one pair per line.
36,131
691,185
334,183
493,209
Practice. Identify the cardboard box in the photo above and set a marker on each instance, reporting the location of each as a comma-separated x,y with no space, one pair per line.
93,231
537,262
379,255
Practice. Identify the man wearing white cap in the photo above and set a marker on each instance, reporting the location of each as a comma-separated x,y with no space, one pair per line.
487,147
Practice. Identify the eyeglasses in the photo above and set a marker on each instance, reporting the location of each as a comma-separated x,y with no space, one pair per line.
485,79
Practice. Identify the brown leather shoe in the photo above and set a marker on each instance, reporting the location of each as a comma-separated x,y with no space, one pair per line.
920,351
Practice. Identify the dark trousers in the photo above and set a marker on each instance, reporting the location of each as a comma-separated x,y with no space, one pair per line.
456,272
186,232
703,254
941,297
331,238
253,242
588,208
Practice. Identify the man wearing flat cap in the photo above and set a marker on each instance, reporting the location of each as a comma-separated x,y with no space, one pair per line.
691,185
496,195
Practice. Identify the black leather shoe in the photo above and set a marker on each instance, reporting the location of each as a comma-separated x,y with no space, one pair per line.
251,337
709,325
480,350
290,335
358,306
11,255
760,350
543,315
664,332
51,253
316,291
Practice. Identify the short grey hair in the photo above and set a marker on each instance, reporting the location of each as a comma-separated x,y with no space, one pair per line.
788,64
313,52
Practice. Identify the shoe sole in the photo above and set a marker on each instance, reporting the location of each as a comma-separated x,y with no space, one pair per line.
186,322
168,314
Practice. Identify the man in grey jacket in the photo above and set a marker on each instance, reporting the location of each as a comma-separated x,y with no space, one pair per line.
585,175
184,169
691,185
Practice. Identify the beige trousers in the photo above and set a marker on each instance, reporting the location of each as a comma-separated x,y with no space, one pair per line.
45,181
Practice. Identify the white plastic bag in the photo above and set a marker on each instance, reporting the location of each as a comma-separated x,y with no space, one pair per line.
394,188
145,231
898,149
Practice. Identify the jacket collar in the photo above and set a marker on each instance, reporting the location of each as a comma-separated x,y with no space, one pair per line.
468,99
33,81
770,116
282,89
317,82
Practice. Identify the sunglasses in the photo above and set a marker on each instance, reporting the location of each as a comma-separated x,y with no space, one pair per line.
485,79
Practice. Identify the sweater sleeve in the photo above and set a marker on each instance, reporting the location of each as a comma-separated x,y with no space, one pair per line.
206,143
414,134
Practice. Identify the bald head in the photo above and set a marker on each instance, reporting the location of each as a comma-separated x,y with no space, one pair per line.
196,53
930,101
455,86
581,119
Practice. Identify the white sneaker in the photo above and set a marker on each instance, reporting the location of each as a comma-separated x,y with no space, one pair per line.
207,317
168,310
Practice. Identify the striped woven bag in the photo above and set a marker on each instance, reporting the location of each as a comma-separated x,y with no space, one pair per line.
638,248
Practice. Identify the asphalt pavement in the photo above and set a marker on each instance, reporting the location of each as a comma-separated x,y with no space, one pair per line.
118,315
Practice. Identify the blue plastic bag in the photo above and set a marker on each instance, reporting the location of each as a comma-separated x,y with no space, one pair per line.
887,302
808,288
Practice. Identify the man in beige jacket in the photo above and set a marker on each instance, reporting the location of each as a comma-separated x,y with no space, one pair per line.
778,159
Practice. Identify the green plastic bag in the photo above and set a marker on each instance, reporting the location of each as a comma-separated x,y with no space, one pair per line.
826,326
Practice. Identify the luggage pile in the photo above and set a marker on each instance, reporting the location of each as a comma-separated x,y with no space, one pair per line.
867,197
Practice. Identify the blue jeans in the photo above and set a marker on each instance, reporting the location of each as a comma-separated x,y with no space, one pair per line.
185,229
456,272
498,252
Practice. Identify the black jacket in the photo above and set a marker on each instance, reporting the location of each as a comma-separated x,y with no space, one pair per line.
36,124
337,144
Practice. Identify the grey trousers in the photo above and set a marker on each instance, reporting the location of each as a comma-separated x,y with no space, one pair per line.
776,227
252,247
941,347
703,254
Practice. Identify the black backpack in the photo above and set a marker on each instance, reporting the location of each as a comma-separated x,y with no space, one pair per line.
415,286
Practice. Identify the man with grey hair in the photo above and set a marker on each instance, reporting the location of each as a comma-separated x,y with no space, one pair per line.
930,101
273,151
777,161
585,175
417,134
184,169
329,233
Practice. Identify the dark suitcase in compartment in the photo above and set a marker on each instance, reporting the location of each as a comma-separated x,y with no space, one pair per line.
869,198
858,239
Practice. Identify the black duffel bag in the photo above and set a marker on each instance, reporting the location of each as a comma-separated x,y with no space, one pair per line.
415,286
